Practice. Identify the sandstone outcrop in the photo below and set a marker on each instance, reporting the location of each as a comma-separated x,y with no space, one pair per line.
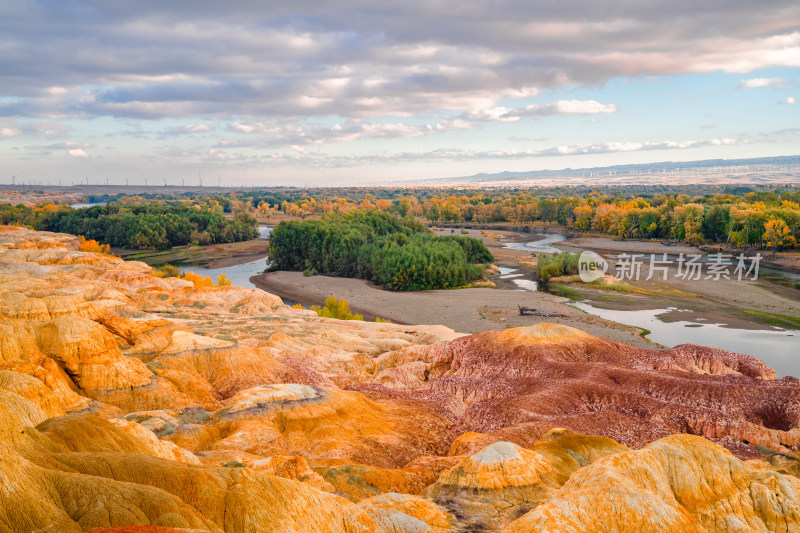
139,404
504,480
679,483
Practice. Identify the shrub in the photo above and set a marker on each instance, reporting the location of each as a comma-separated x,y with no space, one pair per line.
93,246
223,280
335,308
556,265
198,280
167,271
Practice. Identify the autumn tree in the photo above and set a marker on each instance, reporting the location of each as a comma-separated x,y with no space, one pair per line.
777,234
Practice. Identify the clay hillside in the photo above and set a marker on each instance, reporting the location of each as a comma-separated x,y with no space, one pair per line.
133,403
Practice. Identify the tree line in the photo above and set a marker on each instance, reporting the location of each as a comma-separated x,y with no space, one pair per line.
149,226
400,254
732,215
748,216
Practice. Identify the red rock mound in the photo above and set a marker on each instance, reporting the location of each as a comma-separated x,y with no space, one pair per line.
521,382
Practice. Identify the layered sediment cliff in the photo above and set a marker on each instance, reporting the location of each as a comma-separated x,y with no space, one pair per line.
136,403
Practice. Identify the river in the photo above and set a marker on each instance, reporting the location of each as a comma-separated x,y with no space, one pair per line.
779,348
84,206
238,274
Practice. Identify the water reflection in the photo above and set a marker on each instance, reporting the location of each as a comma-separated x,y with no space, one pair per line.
238,274
83,206
524,284
778,348
542,245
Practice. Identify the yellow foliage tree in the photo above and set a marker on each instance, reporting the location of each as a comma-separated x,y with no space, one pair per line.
335,308
93,246
166,271
223,280
777,234
198,280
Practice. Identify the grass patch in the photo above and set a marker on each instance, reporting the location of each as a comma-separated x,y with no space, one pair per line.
564,292
772,319
154,365
763,450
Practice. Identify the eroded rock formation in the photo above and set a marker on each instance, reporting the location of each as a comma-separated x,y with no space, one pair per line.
141,404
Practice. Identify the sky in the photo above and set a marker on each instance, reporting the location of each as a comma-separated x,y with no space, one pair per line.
316,92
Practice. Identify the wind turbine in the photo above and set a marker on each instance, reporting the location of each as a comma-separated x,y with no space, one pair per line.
13,179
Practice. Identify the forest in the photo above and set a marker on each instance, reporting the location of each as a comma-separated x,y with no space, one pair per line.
399,253
746,217
150,226
741,216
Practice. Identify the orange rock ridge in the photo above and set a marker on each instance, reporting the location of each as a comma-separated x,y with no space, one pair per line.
131,403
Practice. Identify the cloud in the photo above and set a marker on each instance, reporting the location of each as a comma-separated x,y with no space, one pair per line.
192,128
757,83
348,59
277,133
321,160
561,107
282,81
565,107
790,100
72,148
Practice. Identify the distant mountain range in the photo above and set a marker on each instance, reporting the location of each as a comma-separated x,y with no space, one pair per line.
783,169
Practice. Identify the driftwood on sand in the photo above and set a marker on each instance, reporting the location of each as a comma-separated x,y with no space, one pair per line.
531,311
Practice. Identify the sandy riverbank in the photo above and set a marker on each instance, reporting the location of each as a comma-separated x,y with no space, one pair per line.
747,295
464,310
210,256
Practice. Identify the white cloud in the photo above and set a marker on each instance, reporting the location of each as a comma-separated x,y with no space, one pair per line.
757,83
289,133
350,60
9,132
564,107
322,160
790,100
193,128
78,152
583,107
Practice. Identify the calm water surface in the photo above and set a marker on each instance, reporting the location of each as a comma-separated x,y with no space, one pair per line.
82,206
778,348
238,274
